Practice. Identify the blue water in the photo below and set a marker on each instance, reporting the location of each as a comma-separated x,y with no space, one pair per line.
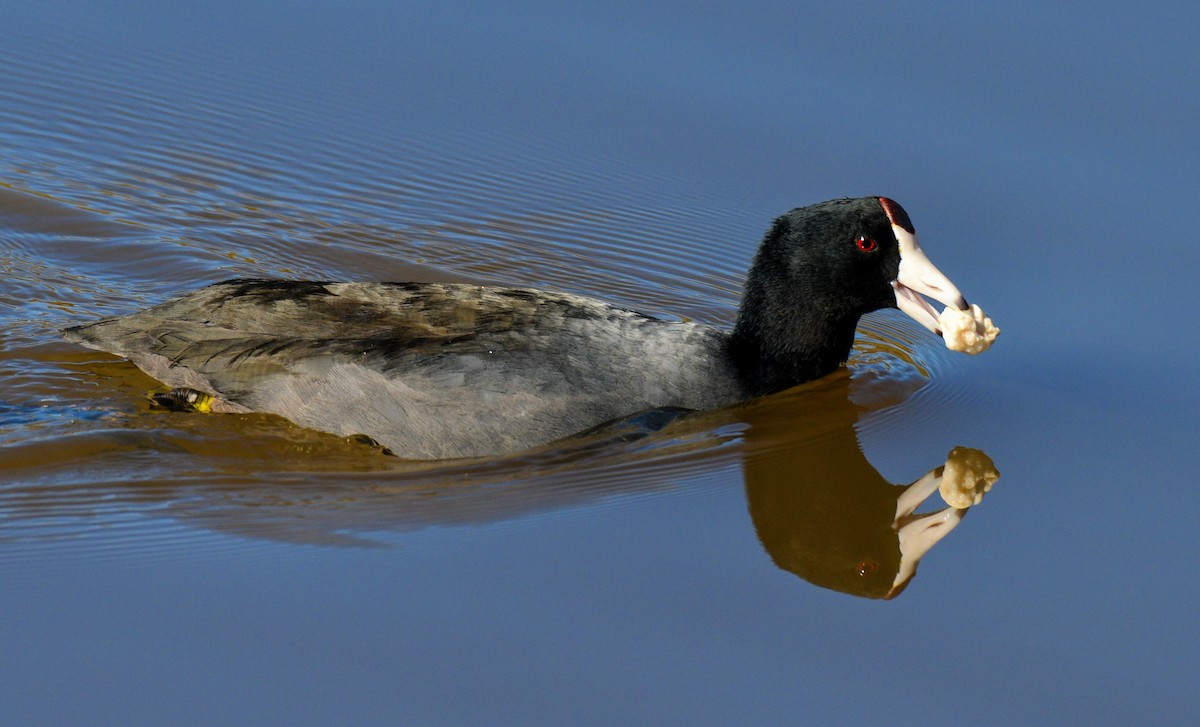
159,568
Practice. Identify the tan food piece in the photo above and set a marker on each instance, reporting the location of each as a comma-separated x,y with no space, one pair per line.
967,476
969,331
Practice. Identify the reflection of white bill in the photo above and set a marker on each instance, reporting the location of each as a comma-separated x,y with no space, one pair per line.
962,482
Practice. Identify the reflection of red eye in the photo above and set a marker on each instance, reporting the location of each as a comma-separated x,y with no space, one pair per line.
867,567
866,244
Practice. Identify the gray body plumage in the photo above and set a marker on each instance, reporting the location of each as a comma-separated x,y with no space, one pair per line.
427,370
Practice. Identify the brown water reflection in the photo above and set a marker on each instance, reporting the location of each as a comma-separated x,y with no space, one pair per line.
843,527
818,506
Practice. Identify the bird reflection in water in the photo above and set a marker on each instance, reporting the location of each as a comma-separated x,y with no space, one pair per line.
822,511
848,529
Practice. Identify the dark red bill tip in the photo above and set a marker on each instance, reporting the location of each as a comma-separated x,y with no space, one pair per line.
897,215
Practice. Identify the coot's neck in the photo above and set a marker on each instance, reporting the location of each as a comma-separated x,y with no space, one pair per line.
777,344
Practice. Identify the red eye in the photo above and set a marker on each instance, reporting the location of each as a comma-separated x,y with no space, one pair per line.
866,244
867,567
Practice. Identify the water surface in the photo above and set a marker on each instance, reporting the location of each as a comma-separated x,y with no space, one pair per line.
726,568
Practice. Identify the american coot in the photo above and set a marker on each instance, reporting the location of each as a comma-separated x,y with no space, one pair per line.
441,370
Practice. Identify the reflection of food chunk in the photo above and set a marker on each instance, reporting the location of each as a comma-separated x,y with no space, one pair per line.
969,331
968,474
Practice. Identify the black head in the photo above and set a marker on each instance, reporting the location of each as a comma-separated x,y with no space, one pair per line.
840,256
818,270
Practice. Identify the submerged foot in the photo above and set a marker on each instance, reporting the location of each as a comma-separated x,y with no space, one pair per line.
183,400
